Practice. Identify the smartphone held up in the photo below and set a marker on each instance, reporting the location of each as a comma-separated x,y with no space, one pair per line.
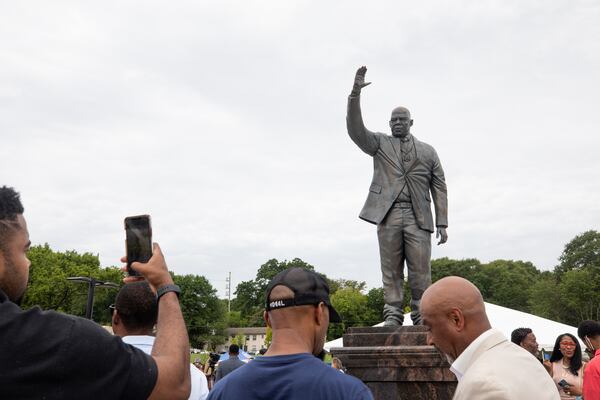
138,235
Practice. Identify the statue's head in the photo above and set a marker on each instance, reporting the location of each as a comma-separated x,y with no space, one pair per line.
400,122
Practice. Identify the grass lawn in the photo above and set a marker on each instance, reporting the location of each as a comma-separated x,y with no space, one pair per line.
198,356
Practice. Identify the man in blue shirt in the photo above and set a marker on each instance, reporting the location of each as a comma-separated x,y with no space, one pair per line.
298,310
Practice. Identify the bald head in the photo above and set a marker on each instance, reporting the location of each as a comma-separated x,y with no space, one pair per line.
454,311
454,291
400,112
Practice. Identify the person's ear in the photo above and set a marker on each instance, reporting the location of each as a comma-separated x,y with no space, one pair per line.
266,318
411,123
457,319
320,311
116,319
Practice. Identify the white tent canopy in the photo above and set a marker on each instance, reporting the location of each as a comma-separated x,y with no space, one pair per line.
506,320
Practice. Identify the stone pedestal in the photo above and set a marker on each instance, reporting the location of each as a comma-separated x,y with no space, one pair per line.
396,363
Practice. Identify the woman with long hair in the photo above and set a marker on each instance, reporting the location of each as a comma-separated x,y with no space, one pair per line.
565,366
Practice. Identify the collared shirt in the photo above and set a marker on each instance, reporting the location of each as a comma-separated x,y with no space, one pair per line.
460,365
199,389
591,378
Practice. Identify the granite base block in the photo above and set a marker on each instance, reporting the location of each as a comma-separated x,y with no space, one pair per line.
396,363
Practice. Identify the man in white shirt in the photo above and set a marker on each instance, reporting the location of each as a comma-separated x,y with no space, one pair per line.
486,364
134,316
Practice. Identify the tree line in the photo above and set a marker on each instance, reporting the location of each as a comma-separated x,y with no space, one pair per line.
568,294
203,311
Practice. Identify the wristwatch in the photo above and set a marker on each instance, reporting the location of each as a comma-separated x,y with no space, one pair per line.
166,289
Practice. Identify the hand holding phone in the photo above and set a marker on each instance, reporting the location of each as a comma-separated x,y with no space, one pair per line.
562,383
138,233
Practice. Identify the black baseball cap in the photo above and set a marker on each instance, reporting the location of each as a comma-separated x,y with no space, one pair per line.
308,288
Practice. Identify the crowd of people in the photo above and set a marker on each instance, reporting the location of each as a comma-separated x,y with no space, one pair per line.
574,372
50,355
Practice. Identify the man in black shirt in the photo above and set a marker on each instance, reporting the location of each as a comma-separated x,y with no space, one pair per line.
44,354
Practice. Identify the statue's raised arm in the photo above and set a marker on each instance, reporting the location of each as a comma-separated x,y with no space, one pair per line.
365,139
359,81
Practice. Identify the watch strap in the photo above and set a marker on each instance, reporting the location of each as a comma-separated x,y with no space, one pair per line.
166,289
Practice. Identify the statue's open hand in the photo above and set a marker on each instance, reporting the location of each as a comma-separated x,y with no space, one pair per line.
359,79
441,233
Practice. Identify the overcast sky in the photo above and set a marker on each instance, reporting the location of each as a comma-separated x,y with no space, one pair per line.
225,121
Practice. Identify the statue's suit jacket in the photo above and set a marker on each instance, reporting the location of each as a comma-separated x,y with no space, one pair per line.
501,370
422,175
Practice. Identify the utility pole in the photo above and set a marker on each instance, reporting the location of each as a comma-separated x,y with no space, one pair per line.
228,291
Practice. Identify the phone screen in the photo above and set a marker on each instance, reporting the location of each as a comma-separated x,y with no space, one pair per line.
546,355
138,233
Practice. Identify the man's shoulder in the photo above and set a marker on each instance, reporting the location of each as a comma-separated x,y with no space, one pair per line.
345,385
499,370
305,376
232,361
503,352
33,322
593,365
335,375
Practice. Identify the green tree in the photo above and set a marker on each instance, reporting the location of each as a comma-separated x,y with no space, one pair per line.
337,284
572,292
354,309
250,295
247,298
544,297
466,268
580,296
507,283
503,282
203,312
375,302
582,252
240,340
49,289
268,270
234,319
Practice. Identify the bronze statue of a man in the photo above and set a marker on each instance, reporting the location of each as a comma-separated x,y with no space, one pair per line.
406,170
